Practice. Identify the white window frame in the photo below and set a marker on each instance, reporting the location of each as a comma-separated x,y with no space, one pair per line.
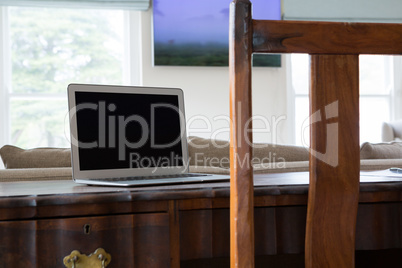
5,75
396,94
290,93
291,100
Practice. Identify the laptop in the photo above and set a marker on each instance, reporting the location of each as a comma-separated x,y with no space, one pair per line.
130,136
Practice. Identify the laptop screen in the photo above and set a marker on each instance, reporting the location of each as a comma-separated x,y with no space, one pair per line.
127,130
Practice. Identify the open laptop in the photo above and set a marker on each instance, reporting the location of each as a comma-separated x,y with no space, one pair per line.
129,136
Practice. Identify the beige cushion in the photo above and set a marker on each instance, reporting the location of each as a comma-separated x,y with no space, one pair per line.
392,150
277,153
387,133
208,152
391,131
299,166
215,153
379,164
35,174
14,157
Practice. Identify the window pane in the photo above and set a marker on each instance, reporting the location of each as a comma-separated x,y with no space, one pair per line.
373,112
51,48
39,123
302,134
370,119
300,70
376,86
375,74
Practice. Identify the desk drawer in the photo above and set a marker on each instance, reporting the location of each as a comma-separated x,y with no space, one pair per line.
139,240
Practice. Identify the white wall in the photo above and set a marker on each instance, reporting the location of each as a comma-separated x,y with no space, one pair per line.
206,91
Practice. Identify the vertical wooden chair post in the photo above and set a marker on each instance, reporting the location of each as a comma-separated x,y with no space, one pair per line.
334,161
241,181
334,126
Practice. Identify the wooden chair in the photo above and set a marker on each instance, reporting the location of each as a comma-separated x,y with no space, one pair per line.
334,131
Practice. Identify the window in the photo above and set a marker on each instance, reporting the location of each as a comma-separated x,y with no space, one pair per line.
376,91
46,49
299,75
377,88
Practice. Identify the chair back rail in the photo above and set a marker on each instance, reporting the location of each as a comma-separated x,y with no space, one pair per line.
317,37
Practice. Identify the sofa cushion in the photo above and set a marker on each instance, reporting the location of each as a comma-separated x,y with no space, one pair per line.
208,152
278,153
215,153
379,164
391,150
35,174
14,157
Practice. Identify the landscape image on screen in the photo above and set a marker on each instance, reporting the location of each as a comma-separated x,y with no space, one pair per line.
196,33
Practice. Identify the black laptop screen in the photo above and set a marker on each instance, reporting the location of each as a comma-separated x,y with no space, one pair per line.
121,130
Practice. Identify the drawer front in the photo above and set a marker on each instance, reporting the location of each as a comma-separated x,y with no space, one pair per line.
140,240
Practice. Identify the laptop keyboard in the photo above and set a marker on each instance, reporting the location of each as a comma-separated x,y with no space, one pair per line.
137,178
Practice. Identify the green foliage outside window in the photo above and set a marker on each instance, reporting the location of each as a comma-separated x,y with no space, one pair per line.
51,48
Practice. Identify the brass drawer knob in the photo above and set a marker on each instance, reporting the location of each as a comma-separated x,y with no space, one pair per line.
100,258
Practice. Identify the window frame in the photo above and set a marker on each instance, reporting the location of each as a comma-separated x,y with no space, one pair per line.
5,75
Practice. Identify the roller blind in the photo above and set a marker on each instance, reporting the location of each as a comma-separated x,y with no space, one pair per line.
344,10
109,4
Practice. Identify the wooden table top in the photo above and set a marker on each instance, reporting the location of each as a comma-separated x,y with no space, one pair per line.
49,199
287,182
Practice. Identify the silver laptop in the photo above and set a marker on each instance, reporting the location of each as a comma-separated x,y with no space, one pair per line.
129,136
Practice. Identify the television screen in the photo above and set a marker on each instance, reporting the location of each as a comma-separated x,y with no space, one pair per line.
196,33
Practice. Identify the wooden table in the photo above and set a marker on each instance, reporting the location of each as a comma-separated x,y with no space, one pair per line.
168,226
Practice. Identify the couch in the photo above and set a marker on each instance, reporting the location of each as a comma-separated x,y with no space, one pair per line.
391,131
206,156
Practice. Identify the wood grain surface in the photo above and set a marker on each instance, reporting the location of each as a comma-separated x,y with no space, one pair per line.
241,172
193,220
132,240
334,161
326,37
